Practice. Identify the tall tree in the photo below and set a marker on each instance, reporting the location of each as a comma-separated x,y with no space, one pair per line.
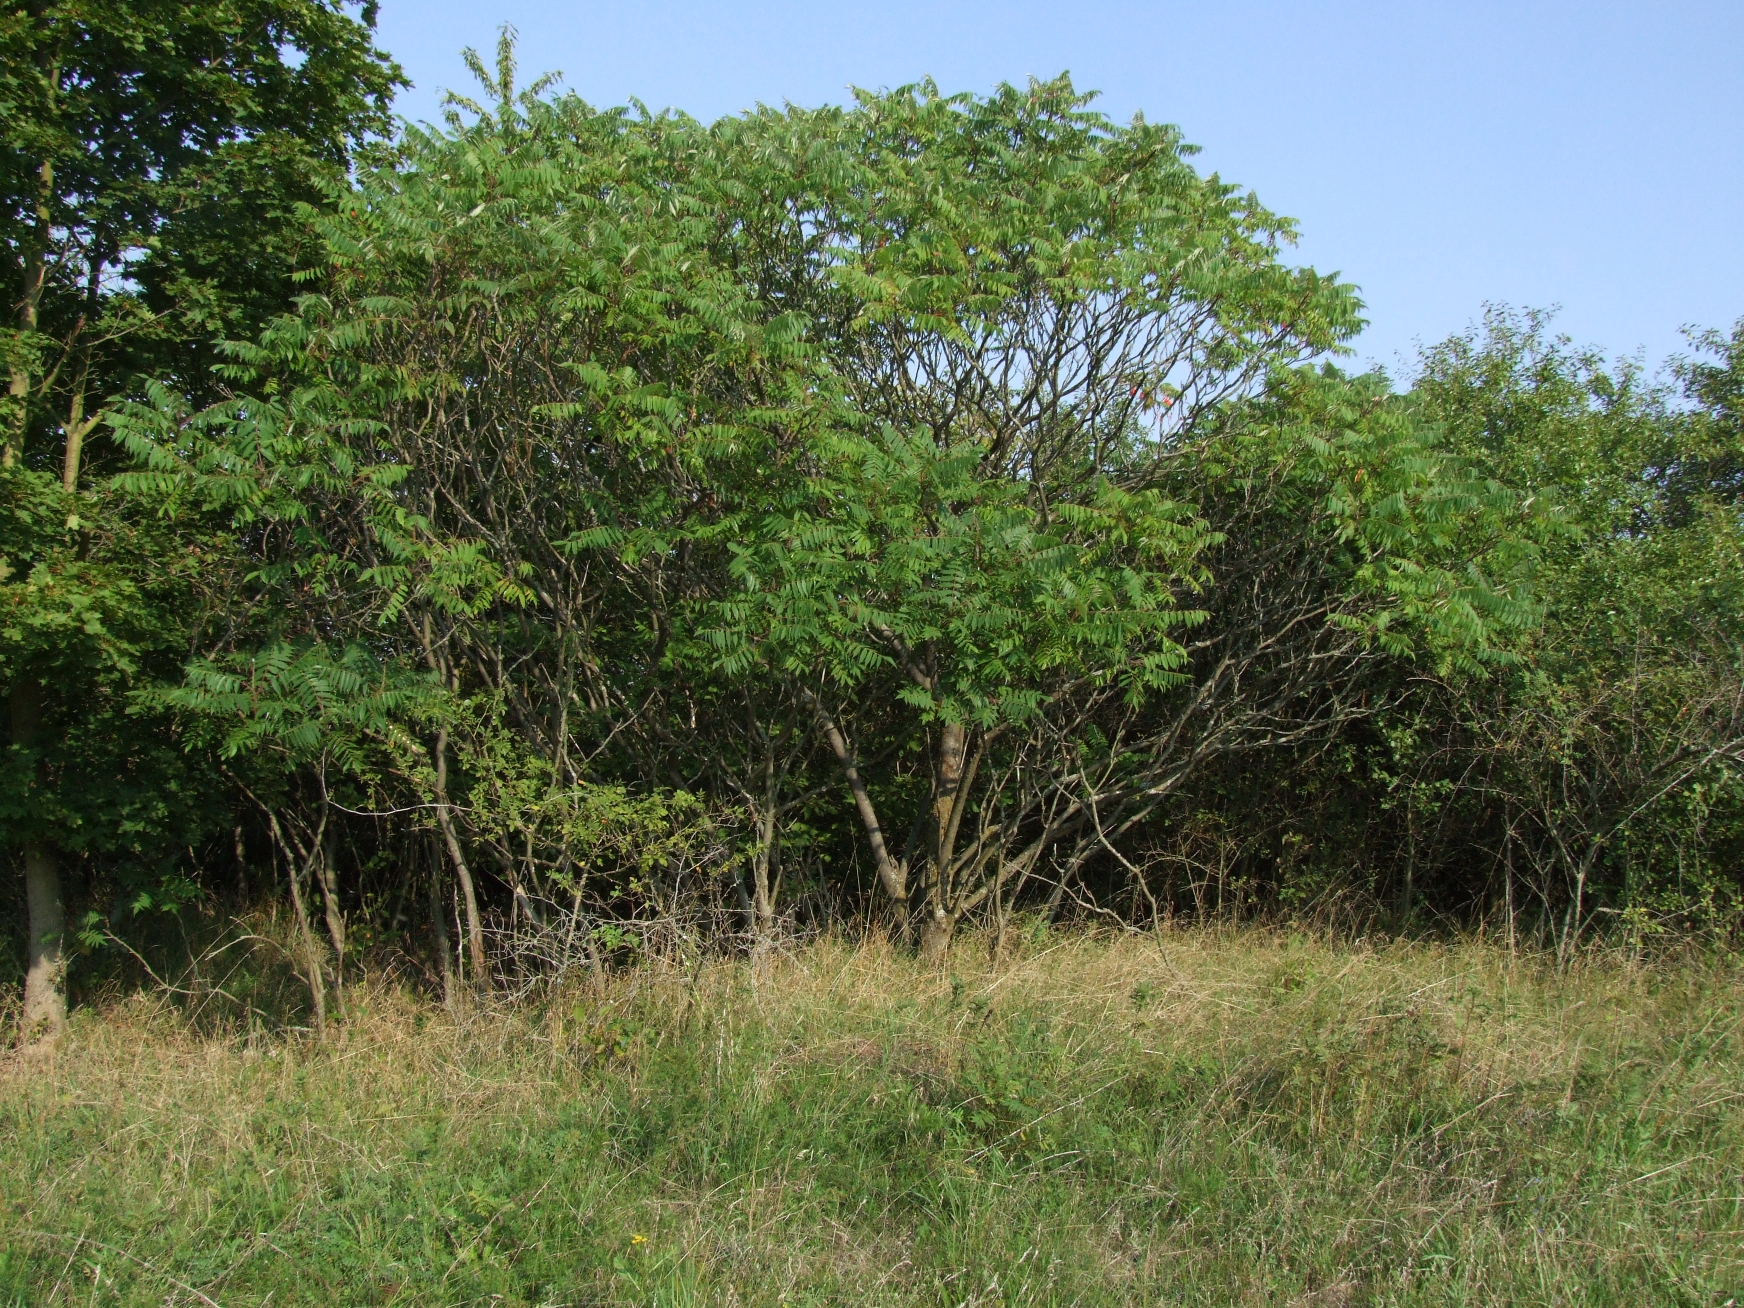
157,155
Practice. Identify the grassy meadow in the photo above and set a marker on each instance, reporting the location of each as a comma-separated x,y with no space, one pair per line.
1194,1117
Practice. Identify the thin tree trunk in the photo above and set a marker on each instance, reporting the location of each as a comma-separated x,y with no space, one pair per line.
241,867
999,911
1572,920
45,1001
439,926
762,889
941,921
444,818
524,906
462,873
78,427
1508,881
528,905
315,975
19,393
35,274
747,903
891,874
324,870
764,869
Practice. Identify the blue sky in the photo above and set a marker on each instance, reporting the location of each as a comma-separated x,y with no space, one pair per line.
1439,155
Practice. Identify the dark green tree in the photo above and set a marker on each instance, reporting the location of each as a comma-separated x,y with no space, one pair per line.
158,162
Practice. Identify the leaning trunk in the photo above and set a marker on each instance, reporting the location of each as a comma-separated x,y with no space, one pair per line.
326,869
315,975
892,876
462,873
311,954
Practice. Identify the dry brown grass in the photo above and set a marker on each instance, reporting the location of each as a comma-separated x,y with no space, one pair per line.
1197,1116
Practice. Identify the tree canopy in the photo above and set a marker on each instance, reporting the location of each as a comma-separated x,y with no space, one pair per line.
920,509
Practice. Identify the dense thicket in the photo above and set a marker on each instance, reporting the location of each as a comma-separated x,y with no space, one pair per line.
155,154
908,511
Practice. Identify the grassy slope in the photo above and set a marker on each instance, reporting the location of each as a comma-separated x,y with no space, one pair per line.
1215,1119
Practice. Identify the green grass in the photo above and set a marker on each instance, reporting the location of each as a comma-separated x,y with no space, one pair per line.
1205,1118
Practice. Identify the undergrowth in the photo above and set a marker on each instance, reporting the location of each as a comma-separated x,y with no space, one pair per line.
1192,1117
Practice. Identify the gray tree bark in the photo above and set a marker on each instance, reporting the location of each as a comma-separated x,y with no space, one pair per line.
45,1001
462,873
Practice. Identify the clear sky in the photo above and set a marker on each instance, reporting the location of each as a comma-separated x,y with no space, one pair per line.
1440,155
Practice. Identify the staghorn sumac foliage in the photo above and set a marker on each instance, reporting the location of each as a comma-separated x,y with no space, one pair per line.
937,479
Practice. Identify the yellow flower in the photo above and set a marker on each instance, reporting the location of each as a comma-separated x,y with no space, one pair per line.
638,1239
